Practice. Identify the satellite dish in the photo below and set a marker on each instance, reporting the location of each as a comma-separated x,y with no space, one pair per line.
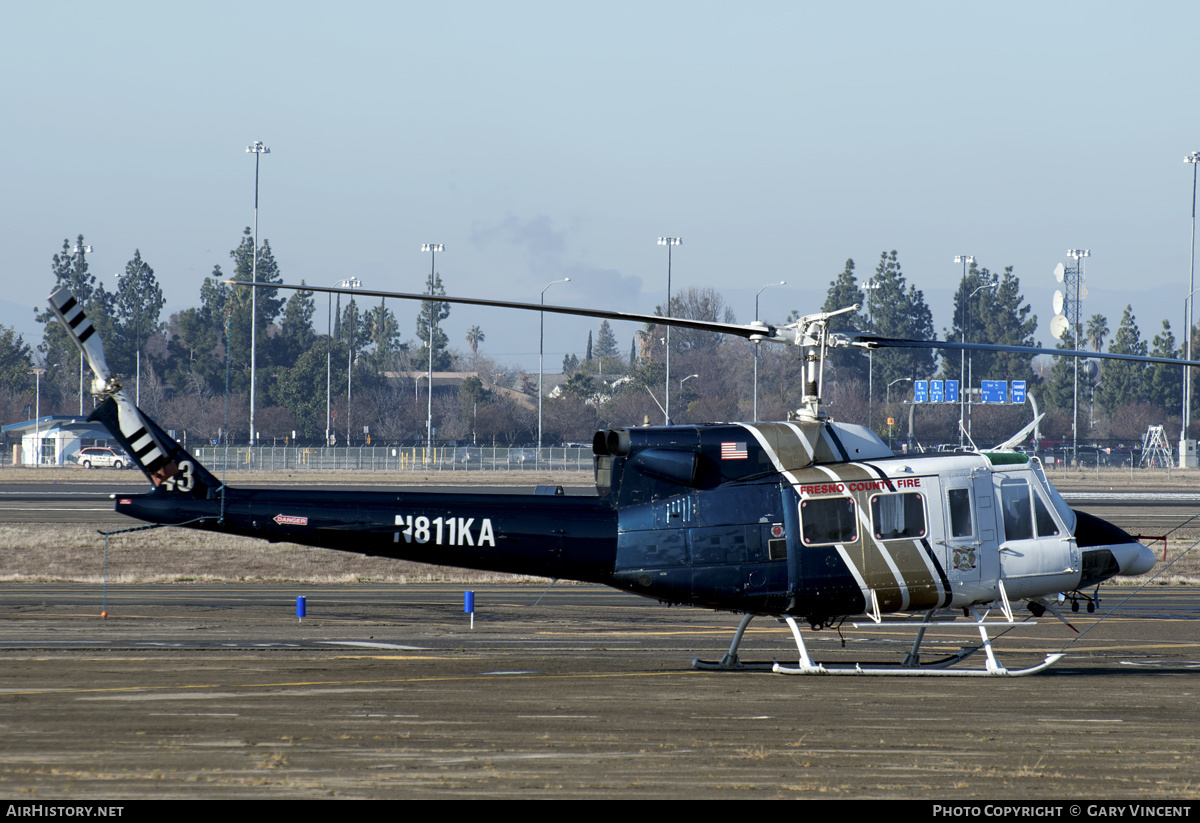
1059,326
1058,302
1060,272
1083,292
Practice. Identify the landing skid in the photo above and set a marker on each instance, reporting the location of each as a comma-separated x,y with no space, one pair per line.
731,662
911,666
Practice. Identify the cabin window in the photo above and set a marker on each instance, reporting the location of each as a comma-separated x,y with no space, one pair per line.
960,512
827,520
898,516
1046,527
1018,517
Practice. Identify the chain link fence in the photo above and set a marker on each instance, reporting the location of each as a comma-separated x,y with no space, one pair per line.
396,458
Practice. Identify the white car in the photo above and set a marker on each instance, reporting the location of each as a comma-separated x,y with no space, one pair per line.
102,457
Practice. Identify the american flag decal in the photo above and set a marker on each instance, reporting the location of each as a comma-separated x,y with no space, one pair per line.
734,451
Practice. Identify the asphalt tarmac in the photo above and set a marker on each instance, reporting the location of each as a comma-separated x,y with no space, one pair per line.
388,692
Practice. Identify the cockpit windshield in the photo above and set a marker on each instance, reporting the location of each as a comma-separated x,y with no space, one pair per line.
1064,511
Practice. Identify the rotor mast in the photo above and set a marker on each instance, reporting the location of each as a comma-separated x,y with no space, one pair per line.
811,334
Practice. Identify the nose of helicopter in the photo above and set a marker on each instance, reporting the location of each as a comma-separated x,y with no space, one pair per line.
1133,558
1109,550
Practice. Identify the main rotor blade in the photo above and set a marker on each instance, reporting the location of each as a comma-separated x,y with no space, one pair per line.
764,331
871,341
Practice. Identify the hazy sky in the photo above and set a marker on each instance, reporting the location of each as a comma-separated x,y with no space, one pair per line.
547,140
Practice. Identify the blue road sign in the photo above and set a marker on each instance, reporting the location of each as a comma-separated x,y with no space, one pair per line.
994,391
921,391
1018,391
951,391
937,391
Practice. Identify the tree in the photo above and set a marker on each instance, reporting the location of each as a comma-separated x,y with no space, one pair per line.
606,341
432,314
16,360
847,364
697,304
136,307
1164,383
998,316
70,268
1122,382
196,341
239,302
300,387
475,336
381,330
898,310
296,333
1096,331
580,385
1058,392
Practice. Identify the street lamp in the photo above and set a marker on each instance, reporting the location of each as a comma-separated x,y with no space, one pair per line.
81,250
889,400
757,342
541,345
894,382
433,249
348,283
137,347
1189,311
37,417
965,259
258,150
1076,255
871,285
668,242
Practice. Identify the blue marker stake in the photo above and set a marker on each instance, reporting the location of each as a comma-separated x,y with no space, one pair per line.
469,606
301,603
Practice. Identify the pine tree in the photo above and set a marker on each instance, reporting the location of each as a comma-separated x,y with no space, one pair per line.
433,312
136,307
898,310
996,315
1164,383
847,363
1122,382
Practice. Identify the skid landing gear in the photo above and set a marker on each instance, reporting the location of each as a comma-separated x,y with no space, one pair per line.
730,662
910,666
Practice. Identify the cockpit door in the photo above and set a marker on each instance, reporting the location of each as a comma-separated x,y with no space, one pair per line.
970,523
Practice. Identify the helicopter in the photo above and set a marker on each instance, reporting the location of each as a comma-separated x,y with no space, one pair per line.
807,519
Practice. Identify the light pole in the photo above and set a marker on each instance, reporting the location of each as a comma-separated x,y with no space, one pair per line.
965,259
347,283
328,363
871,285
757,342
1077,255
433,249
137,347
1189,311
970,369
81,251
541,346
258,150
37,416
668,242
889,401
